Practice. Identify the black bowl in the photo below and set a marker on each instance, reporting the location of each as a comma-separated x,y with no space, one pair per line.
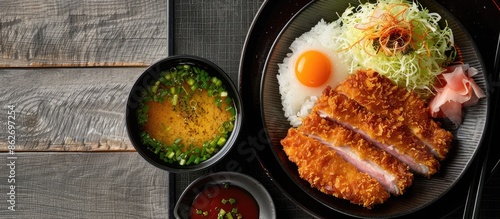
150,76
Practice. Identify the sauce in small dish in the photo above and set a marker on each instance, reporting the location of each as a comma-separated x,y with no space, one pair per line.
224,201
225,195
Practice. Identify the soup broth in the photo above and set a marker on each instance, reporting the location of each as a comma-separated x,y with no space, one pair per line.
195,123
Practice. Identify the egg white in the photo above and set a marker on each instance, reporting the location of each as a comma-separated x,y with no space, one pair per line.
297,99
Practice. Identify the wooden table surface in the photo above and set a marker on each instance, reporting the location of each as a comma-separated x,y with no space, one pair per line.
66,68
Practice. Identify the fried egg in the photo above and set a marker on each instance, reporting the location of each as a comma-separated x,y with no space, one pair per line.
307,71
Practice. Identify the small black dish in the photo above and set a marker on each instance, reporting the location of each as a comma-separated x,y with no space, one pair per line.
254,187
150,76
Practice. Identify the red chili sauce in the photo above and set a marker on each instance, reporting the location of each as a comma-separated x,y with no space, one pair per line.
208,203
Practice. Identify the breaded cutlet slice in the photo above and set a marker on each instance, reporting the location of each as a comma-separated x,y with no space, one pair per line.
380,95
391,173
326,171
388,134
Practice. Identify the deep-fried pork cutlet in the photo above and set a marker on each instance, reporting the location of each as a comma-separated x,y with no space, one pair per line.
383,97
326,171
388,134
391,173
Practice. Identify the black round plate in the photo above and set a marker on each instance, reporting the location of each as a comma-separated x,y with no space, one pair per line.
273,30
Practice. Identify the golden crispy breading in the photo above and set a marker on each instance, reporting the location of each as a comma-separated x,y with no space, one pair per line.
391,135
326,171
383,97
390,172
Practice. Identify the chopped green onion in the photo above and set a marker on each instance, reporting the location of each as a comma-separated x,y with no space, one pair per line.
218,83
218,102
197,160
222,129
171,155
196,150
163,93
232,201
198,211
223,201
203,151
222,212
226,125
182,162
154,89
209,152
203,84
214,80
185,91
190,160
174,101
214,142
163,80
221,141
157,150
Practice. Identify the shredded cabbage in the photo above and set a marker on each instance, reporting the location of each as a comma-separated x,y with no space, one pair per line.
416,64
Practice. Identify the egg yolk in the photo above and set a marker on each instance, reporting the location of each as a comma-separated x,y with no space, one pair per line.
312,68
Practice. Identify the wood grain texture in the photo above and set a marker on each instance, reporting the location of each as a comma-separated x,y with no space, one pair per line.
85,185
82,33
67,109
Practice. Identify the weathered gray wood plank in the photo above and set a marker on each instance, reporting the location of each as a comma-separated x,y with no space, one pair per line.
67,109
84,185
82,33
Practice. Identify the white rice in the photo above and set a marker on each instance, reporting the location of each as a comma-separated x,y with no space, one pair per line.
297,103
